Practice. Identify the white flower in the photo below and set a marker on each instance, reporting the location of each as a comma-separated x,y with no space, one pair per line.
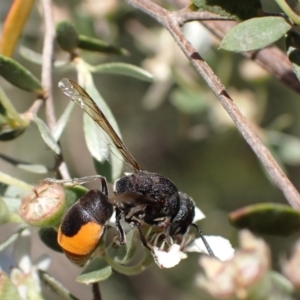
170,258
220,246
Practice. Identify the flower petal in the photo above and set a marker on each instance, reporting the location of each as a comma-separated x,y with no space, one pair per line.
219,245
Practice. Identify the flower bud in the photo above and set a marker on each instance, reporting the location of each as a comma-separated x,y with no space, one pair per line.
44,205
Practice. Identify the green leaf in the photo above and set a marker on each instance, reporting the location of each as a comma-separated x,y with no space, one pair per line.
285,146
255,34
34,168
46,134
8,111
73,193
19,76
48,236
67,36
11,239
7,290
94,44
13,205
292,43
9,180
124,253
104,169
267,218
232,9
37,58
63,120
189,101
56,286
123,69
8,134
97,270
4,212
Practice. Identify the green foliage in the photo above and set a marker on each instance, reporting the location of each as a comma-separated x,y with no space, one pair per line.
18,75
267,218
255,34
192,120
97,45
231,9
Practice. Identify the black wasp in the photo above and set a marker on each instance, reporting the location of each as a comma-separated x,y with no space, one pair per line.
140,197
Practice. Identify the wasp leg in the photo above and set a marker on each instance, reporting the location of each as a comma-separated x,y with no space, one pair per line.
209,250
137,224
104,188
74,181
122,238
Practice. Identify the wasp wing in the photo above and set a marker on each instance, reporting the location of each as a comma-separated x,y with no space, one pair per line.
82,98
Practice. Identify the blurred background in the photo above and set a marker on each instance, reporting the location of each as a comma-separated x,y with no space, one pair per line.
173,126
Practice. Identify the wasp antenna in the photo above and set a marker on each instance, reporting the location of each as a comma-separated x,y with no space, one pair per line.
210,252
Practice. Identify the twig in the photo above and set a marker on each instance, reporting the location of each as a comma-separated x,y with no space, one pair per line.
47,75
96,291
170,22
268,57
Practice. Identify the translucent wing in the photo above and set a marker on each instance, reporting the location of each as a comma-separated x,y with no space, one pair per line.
82,98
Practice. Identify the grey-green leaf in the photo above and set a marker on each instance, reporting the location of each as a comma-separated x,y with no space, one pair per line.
124,253
18,75
56,286
63,120
267,218
34,168
11,239
97,270
189,101
255,34
292,42
46,134
94,44
37,58
123,69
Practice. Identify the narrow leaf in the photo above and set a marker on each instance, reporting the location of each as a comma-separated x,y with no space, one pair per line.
37,58
94,44
9,180
46,134
123,69
4,212
56,286
267,218
19,76
34,168
286,146
97,270
10,112
255,34
63,120
11,239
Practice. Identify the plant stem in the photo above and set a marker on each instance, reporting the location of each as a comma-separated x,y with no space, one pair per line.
96,291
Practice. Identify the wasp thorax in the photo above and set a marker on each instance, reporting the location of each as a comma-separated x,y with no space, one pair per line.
44,205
